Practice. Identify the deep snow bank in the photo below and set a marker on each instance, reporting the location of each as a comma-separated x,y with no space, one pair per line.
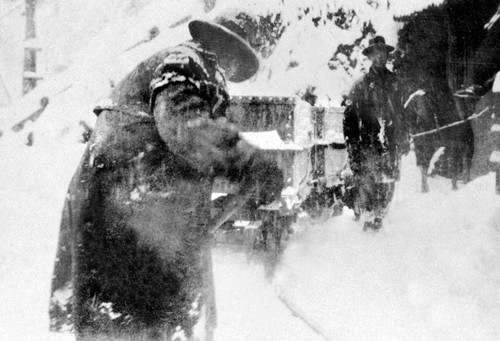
432,273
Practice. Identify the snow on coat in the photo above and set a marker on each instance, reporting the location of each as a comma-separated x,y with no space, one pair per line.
375,132
134,248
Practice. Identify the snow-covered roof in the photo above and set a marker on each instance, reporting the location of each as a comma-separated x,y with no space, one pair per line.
269,140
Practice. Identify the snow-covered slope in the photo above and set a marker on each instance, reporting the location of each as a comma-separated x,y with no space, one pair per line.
88,47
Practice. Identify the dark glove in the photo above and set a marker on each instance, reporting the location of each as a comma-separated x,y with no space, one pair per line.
264,176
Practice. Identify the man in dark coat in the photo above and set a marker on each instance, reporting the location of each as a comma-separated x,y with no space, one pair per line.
134,259
375,134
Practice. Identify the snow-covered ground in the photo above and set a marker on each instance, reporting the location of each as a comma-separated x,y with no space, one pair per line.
432,273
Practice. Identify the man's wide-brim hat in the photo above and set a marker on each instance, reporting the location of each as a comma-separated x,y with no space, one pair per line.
379,43
226,37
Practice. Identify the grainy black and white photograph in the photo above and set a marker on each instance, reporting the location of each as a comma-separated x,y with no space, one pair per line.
259,170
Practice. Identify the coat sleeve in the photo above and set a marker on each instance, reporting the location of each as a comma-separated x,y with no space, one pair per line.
188,103
211,145
186,67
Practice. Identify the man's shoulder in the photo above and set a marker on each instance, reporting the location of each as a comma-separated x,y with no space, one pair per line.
183,49
178,54
389,75
382,78
188,59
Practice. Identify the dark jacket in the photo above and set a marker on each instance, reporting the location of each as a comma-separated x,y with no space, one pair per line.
374,126
135,232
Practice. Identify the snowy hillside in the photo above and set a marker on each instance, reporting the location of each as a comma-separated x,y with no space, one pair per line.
89,47
432,273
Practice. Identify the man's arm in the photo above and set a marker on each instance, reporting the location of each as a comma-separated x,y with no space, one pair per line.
211,146
183,121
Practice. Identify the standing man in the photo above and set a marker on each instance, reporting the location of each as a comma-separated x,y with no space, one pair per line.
375,134
134,259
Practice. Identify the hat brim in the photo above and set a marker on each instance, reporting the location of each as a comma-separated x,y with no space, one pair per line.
370,48
226,43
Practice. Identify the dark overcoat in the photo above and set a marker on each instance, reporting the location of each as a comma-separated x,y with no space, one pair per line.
134,260
375,131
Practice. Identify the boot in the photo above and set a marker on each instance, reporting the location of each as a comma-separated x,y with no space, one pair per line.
374,225
377,224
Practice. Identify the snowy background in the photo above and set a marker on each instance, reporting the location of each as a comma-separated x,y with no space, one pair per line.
432,273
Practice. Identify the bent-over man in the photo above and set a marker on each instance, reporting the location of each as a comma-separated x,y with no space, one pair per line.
134,259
